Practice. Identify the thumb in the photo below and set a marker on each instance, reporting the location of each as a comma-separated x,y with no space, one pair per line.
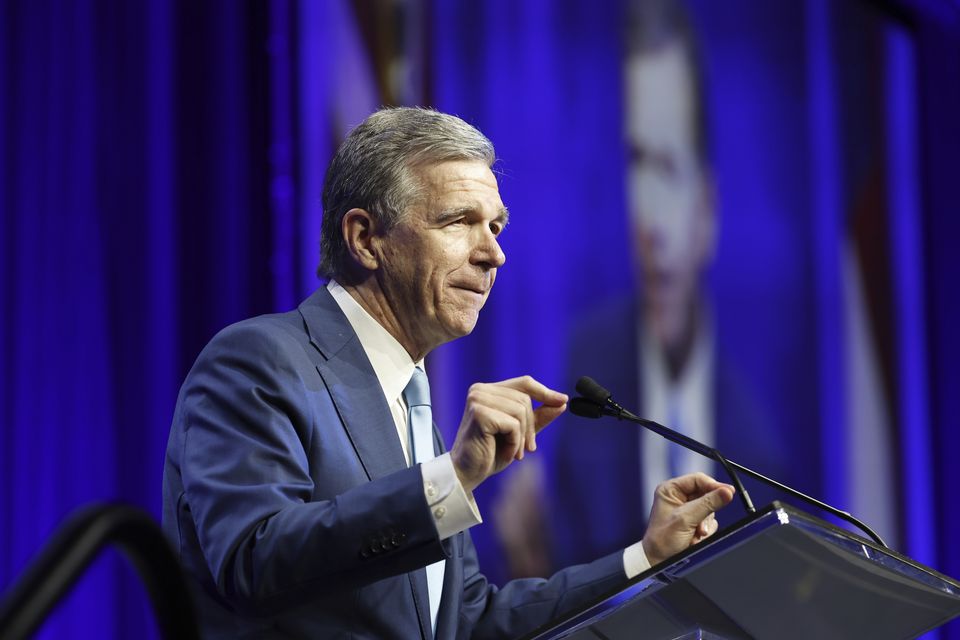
697,510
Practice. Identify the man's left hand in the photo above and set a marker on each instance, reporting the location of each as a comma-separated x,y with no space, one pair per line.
682,514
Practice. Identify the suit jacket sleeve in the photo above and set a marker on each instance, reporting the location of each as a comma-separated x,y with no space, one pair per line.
525,604
280,505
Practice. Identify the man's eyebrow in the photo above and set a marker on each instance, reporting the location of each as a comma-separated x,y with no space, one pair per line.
459,212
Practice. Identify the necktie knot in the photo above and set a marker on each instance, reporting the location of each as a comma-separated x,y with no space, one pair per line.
417,391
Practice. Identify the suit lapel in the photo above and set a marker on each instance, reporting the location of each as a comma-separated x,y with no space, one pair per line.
349,377
365,415
353,386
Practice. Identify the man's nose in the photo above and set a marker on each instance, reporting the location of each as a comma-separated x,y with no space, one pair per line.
488,253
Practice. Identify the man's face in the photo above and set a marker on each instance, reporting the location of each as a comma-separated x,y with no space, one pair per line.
669,192
440,262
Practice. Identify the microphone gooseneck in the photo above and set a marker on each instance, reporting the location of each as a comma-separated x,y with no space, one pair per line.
597,402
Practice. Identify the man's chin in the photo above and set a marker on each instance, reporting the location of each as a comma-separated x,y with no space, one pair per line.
467,328
462,326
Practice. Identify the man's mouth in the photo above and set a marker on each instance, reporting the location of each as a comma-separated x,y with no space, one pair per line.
472,289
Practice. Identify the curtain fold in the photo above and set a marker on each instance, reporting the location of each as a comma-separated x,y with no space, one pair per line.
133,227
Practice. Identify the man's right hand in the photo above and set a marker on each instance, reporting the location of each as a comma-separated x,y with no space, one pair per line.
499,424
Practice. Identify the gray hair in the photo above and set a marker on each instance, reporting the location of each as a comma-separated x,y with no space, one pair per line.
374,170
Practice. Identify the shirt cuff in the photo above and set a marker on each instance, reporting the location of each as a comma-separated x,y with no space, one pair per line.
453,509
635,560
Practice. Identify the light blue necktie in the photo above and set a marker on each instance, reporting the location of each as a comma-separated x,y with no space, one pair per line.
420,424
419,417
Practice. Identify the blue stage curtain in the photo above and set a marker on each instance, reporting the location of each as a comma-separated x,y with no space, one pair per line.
160,174
133,205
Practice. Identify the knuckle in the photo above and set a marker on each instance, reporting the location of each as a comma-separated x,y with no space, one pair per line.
519,402
481,412
525,407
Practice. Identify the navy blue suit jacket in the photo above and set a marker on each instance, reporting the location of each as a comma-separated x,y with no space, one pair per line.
287,496
596,487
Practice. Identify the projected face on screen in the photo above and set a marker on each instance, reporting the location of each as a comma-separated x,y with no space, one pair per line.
670,196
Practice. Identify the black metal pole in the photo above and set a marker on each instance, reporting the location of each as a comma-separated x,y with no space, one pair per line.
71,550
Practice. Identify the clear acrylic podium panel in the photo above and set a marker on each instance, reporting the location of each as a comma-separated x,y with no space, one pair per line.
781,574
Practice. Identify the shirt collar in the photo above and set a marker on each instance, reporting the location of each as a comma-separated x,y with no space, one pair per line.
390,361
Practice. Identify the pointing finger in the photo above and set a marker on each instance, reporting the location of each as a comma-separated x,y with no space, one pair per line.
691,485
537,391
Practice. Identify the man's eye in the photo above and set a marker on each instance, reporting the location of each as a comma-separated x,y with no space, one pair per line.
496,228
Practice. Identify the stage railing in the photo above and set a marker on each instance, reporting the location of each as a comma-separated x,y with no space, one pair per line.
28,602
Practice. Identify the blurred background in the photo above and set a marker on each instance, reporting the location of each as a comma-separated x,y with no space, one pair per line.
741,217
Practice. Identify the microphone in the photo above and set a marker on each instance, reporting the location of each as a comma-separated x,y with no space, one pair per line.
585,408
594,393
591,390
597,401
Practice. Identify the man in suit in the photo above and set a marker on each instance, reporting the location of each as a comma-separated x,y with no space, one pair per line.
299,490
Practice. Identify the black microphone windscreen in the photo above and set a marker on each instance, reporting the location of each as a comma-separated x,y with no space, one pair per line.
585,408
588,387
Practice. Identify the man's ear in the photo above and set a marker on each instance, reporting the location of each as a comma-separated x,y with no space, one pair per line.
359,228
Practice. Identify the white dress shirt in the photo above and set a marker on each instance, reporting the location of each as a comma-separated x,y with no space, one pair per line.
454,510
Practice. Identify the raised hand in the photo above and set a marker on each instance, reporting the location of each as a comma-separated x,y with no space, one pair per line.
499,424
683,514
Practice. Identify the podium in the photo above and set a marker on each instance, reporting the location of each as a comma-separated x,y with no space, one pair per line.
779,573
